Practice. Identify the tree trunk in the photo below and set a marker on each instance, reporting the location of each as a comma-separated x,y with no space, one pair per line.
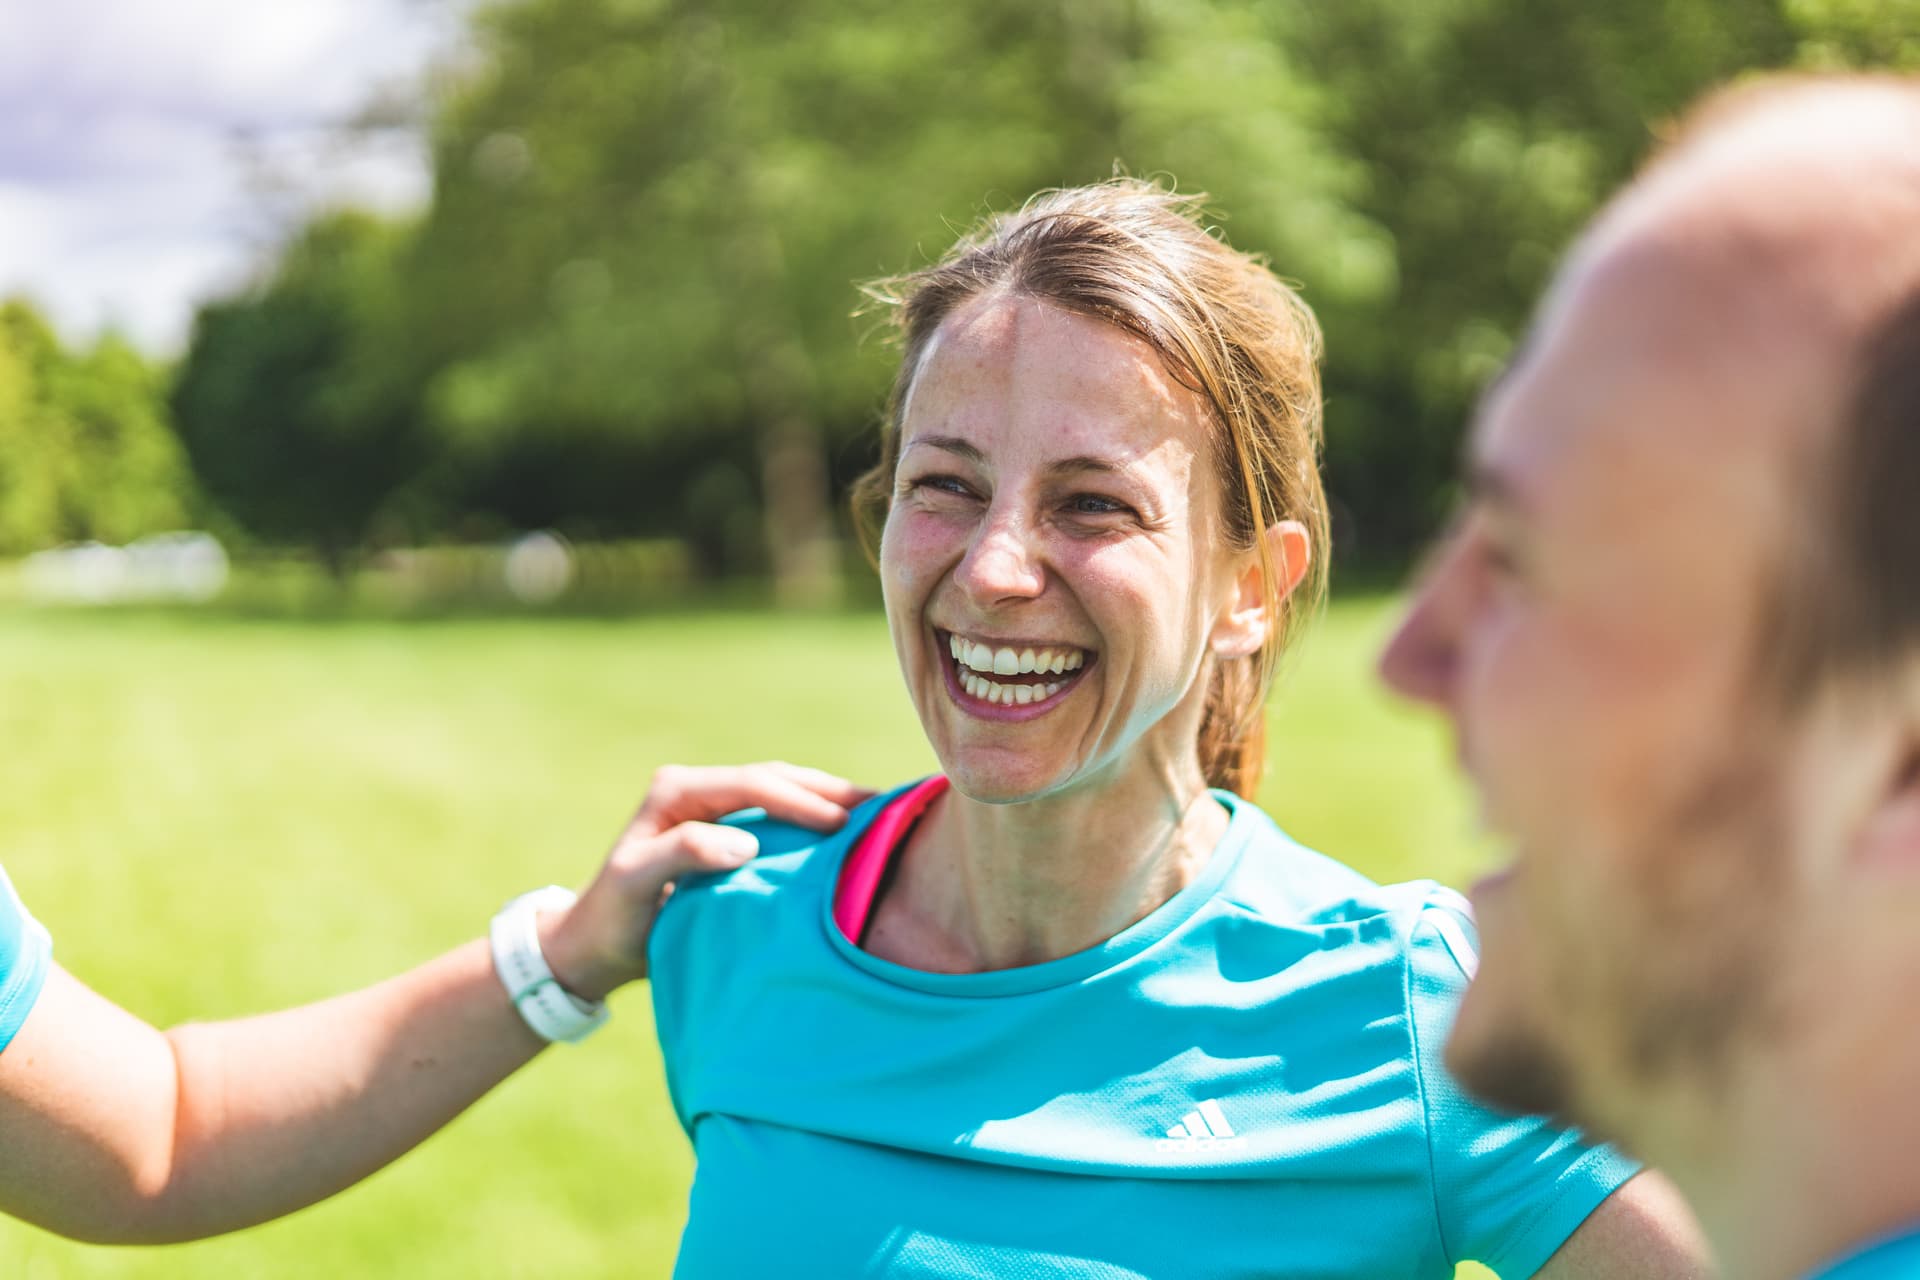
803,550
778,378
337,558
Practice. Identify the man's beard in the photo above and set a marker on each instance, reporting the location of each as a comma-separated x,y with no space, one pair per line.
1518,1070
1658,991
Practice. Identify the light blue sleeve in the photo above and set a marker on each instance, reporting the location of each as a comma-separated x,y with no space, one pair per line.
683,960
25,954
1508,1191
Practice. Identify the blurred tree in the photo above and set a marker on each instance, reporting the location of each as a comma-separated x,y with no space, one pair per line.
34,444
649,218
627,309
85,452
1485,133
130,476
294,401
1857,33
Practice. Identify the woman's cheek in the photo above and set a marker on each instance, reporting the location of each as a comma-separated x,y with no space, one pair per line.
899,558
1117,583
915,543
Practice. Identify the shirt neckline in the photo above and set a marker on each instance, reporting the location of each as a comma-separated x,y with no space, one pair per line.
1901,1246
1024,979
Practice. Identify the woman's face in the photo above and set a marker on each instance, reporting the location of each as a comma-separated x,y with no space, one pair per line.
1054,559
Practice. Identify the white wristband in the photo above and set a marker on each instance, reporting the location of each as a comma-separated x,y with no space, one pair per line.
551,1010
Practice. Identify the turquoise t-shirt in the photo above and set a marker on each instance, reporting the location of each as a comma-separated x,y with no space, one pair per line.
1895,1259
25,951
1245,1083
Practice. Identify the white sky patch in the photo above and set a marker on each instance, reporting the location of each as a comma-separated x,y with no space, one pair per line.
153,151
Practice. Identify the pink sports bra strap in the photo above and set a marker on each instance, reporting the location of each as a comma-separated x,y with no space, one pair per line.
866,864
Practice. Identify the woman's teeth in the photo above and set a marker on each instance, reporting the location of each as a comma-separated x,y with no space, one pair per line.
1012,695
1013,662
978,661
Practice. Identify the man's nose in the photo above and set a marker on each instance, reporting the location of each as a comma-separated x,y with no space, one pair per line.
1422,659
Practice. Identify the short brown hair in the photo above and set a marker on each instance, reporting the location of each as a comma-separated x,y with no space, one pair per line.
1853,606
1846,604
1137,256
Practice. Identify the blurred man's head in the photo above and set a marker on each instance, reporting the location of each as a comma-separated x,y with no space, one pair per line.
1677,630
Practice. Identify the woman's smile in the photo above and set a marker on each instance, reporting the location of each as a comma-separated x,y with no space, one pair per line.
1054,515
1009,680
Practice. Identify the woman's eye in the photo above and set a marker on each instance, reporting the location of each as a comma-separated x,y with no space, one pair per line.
941,484
1094,504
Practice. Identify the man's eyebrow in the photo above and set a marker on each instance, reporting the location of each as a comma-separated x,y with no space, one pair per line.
1489,486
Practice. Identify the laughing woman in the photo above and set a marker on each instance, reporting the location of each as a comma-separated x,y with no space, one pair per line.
1075,1007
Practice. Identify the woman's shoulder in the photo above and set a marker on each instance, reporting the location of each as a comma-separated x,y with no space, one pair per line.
787,854
1281,879
792,860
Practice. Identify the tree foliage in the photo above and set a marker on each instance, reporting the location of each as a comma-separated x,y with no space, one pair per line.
629,306
675,202
85,452
1486,132
291,401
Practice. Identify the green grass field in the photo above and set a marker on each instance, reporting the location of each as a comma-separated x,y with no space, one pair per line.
218,815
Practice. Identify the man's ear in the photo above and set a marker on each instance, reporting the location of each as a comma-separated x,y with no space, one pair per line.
1245,625
1888,843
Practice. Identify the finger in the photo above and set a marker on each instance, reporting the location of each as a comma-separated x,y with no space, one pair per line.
829,786
792,802
684,794
687,849
692,793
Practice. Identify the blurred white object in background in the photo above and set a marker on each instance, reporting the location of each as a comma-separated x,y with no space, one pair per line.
84,573
188,567
539,567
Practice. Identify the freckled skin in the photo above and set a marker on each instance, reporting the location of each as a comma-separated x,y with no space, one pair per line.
1126,563
1056,486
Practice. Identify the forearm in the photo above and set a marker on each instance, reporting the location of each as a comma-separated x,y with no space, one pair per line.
279,1111
116,1133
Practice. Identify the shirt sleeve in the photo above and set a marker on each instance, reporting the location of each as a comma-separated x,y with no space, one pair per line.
686,959
1507,1190
668,973
25,954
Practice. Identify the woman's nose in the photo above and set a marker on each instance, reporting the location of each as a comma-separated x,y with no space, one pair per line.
1002,563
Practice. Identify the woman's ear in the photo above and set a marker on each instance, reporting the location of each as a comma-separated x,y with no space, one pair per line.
1245,625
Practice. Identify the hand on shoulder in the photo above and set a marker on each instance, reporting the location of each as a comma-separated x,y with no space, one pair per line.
601,943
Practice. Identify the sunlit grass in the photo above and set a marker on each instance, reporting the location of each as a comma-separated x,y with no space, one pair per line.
217,815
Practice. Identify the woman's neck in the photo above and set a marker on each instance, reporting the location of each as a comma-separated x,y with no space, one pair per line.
985,887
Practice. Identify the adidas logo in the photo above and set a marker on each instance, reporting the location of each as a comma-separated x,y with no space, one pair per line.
1205,1128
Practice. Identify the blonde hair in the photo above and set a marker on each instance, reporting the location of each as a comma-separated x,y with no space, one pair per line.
1136,255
